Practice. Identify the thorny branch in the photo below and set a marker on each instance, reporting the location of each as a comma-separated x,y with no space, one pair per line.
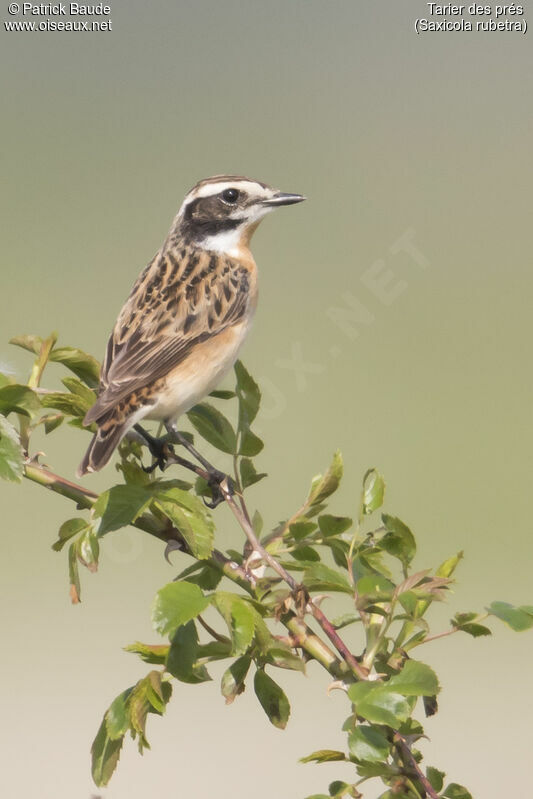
243,518
84,498
302,635
402,744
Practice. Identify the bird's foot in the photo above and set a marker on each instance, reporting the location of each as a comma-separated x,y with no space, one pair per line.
161,451
215,479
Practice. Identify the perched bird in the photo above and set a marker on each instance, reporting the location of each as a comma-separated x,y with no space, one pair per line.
187,316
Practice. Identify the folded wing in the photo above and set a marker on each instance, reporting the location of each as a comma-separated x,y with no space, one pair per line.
177,303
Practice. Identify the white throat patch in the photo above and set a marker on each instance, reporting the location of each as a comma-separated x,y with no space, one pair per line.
227,242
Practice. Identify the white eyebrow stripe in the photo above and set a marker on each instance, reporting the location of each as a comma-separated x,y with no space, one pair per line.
215,188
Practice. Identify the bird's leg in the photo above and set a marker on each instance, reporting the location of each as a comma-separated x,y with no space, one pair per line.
159,449
164,455
178,438
214,476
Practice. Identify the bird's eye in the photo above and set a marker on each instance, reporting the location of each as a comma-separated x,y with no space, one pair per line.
230,196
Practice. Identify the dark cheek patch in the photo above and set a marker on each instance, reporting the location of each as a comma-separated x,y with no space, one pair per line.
207,216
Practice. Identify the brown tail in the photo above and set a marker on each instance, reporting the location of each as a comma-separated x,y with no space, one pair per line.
101,448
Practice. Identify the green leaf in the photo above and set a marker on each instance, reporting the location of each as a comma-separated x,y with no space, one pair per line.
447,568
463,618
19,399
251,444
215,650
272,699
119,506
213,426
69,404
323,756
333,525
466,624
319,577
11,457
138,707
347,618
368,743
300,529
249,396
323,487
263,638
475,630
409,602
75,386
380,770
232,683
376,703
148,695
305,553
74,575
82,365
235,555
284,659
455,791
399,540
105,753
222,394
240,618
42,359
415,640
415,679
158,692
88,549
52,421
374,588
68,530
257,524
373,492
249,475
202,574
395,795
413,729
77,423
30,342
132,470
191,517
338,789
150,653
117,718
339,550
175,604
435,776
164,486
313,510
370,562
518,619
183,654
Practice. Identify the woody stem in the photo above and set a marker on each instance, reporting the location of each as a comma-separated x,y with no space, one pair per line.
243,518
85,499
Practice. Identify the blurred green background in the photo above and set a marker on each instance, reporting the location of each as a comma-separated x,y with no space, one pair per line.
394,138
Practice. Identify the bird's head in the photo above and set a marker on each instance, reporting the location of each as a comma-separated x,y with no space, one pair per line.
221,213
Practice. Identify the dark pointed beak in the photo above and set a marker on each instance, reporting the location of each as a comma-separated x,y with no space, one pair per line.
281,198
